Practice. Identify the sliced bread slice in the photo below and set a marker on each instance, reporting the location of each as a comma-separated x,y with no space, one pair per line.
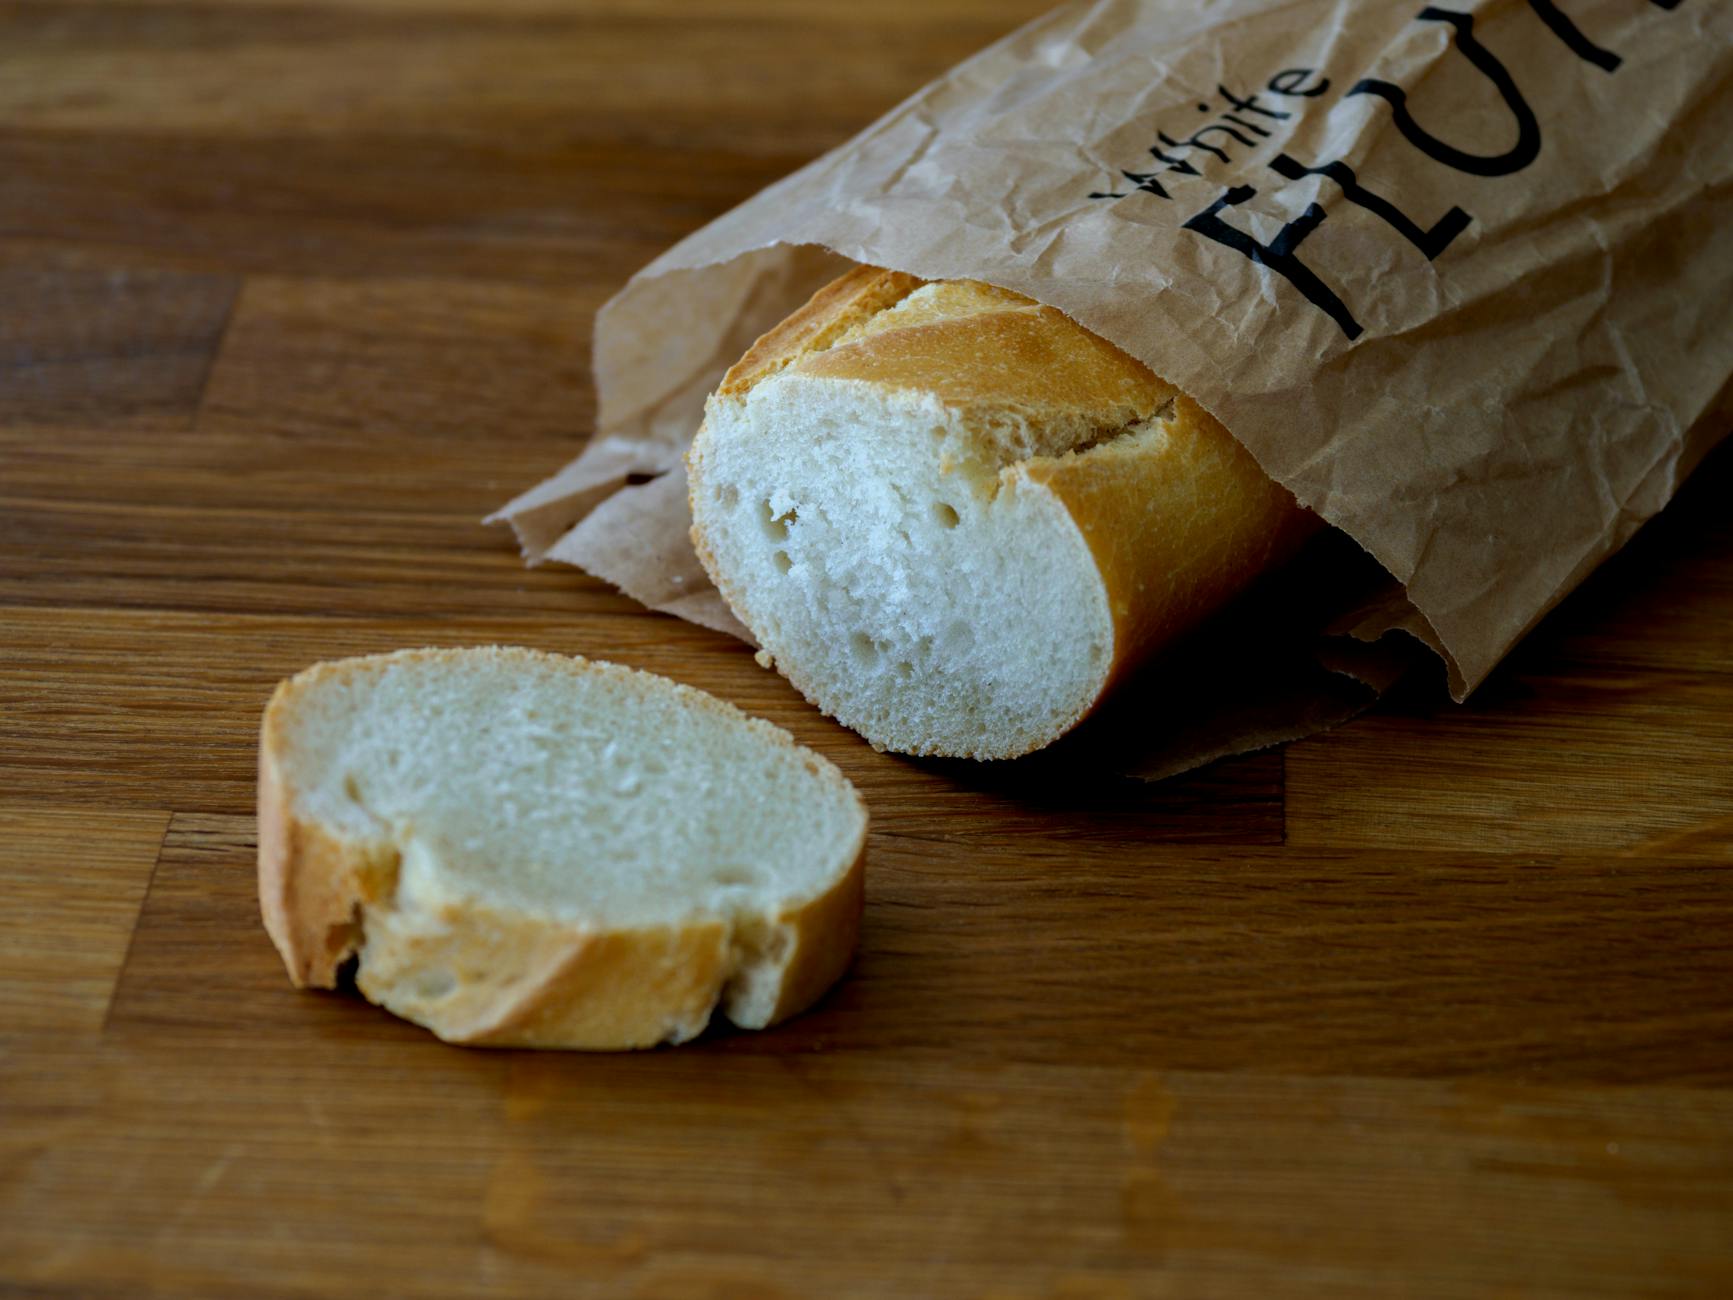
523,849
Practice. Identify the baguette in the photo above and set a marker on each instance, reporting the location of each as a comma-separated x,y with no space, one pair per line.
521,849
954,518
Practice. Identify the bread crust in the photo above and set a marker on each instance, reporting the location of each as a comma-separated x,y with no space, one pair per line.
312,884
1178,524
518,980
999,361
846,302
1177,516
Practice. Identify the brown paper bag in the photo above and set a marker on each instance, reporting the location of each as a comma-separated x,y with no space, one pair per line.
1458,276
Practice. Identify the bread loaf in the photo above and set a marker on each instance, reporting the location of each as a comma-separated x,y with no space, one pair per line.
520,849
954,518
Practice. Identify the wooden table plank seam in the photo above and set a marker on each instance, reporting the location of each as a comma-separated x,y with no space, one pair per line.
132,933
222,336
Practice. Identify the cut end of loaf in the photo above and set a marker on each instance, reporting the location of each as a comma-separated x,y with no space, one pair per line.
901,580
526,849
860,495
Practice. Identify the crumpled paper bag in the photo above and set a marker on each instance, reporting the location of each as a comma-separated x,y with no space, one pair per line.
1458,276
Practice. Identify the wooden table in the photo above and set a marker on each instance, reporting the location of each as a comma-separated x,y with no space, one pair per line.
291,294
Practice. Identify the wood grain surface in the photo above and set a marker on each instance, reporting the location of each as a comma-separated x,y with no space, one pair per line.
292,293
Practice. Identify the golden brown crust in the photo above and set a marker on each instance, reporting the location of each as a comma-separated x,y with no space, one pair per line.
826,931
312,884
940,300
517,979
1013,359
492,979
1179,519
833,311
629,988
